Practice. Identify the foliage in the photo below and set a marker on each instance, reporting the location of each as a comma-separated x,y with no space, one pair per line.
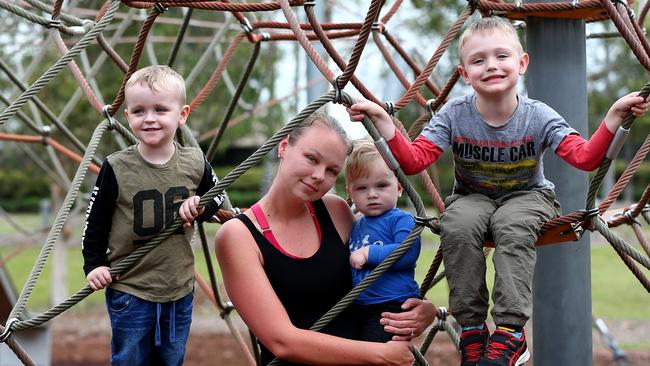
22,189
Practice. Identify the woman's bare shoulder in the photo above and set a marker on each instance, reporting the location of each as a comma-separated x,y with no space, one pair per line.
335,203
232,232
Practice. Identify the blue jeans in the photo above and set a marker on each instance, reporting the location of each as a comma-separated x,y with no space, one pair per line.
148,333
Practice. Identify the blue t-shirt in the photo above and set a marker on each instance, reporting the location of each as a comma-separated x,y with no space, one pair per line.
496,161
383,234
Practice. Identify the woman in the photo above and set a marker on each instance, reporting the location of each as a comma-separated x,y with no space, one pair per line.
285,261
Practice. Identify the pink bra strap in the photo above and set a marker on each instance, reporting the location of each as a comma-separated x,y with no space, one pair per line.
266,230
268,234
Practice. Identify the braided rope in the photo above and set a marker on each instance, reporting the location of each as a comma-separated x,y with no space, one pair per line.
203,60
625,178
179,37
304,41
58,66
360,44
409,60
630,214
426,72
628,36
53,234
392,11
216,76
243,81
324,38
77,74
135,58
331,51
594,186
41,20
48,8
619,243
18,350
395,68
636,226
43,108
212,5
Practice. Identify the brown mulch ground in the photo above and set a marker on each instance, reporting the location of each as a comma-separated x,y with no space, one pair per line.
84,339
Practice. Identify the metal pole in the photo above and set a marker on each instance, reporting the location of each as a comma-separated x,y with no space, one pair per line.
562,284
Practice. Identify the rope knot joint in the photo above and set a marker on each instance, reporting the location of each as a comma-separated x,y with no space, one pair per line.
442,317
379,27
629,216
431,105
107,113
246,26
338,95
428,221
45,133
8,331
390,108
228,308
160,7
473,5
54,23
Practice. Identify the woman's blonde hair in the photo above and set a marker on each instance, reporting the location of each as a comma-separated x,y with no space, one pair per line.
324,120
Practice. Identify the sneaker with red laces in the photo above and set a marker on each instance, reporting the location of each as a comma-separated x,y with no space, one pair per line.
505,349
472,344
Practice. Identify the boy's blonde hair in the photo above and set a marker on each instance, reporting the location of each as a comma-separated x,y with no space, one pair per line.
489,24
158,77
362,159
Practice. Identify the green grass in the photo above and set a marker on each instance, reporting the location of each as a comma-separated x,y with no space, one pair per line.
616,294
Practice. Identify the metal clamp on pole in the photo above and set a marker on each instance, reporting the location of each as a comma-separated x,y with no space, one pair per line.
390,108
107,113
384,151
160,7
442,317
228,308
430,104
338,95
82,29
617,143
8,331
45,133
246,25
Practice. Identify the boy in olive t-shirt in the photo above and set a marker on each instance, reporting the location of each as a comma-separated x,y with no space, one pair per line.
137,192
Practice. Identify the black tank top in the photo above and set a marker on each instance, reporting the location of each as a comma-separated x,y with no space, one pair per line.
308,287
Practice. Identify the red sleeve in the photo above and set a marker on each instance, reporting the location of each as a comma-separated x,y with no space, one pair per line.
585,154
414,158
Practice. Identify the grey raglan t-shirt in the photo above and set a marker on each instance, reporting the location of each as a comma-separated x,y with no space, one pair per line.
496,161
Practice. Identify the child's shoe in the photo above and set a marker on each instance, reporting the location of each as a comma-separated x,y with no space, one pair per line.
472,344
506,349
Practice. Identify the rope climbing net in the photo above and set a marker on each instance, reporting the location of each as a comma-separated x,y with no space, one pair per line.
257,32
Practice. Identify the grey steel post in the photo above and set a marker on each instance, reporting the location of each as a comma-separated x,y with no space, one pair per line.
562,283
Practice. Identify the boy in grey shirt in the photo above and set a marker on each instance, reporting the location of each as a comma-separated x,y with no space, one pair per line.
498,139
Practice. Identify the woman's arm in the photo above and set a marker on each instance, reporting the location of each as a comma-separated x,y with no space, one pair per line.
260,308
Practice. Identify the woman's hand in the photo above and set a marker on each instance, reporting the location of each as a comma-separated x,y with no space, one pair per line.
397,353
417,316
